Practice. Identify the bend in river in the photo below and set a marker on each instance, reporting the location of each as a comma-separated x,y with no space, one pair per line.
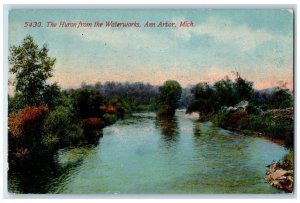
145,155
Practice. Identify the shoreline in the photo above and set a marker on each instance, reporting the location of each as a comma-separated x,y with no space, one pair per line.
259,134
276,174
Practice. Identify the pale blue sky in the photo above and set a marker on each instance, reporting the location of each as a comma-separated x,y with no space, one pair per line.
256,43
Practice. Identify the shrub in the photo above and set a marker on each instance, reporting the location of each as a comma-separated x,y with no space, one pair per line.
21,153
257,123
61,124
110,118
51,142
236,117
220,119
108,109
26,120
92,123
252,109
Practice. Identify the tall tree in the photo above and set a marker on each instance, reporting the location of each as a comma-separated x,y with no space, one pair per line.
170,93
204,99
244,88
32,67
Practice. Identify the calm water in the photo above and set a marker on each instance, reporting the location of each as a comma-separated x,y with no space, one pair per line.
142,154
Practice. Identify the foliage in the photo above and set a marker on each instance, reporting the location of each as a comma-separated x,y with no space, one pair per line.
26,120
86,102
32,67
253,109
225,93
281,98
61,124
24,133
52,95
140,92
272,98
170,93
209,99
243,88
204,100
51,142
92,123
275,124
15,103
236,119
110,118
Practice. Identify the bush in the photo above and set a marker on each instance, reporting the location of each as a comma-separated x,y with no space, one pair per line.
25,130
61,124
110,118
51,142
92,123
257,123
26,120
252,109
220,119
234,119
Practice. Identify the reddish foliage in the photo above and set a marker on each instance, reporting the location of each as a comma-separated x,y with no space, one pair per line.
20,121
93,123
235,118
109,109
21,152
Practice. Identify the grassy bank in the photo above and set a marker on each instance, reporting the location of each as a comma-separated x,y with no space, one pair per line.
275,124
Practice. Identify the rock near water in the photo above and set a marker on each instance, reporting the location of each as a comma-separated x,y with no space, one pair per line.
280,178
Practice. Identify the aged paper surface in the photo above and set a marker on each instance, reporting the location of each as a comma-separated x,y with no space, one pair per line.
151,101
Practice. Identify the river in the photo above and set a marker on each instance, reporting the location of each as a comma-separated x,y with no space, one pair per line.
145,155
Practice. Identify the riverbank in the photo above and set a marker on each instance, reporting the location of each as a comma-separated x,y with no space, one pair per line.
275,125
142,154
281,174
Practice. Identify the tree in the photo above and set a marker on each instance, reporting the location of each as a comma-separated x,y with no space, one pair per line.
170,93
225,93
204,99
32,67
87,102
244,88
281,98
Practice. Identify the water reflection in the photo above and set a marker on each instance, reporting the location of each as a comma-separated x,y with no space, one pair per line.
169,129
197,129
156,156
44,175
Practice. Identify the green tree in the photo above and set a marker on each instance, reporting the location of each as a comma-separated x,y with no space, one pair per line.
225,94
170,93
32,67
243,88
87,102
281,98
204,99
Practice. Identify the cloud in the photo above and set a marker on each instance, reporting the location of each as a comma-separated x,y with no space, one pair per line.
130,38
224,31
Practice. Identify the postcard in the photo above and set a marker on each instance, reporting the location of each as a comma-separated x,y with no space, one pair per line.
150,101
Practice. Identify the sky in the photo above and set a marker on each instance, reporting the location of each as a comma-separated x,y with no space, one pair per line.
256,43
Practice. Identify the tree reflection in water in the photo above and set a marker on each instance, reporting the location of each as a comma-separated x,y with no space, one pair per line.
169,129
43,174
197,129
